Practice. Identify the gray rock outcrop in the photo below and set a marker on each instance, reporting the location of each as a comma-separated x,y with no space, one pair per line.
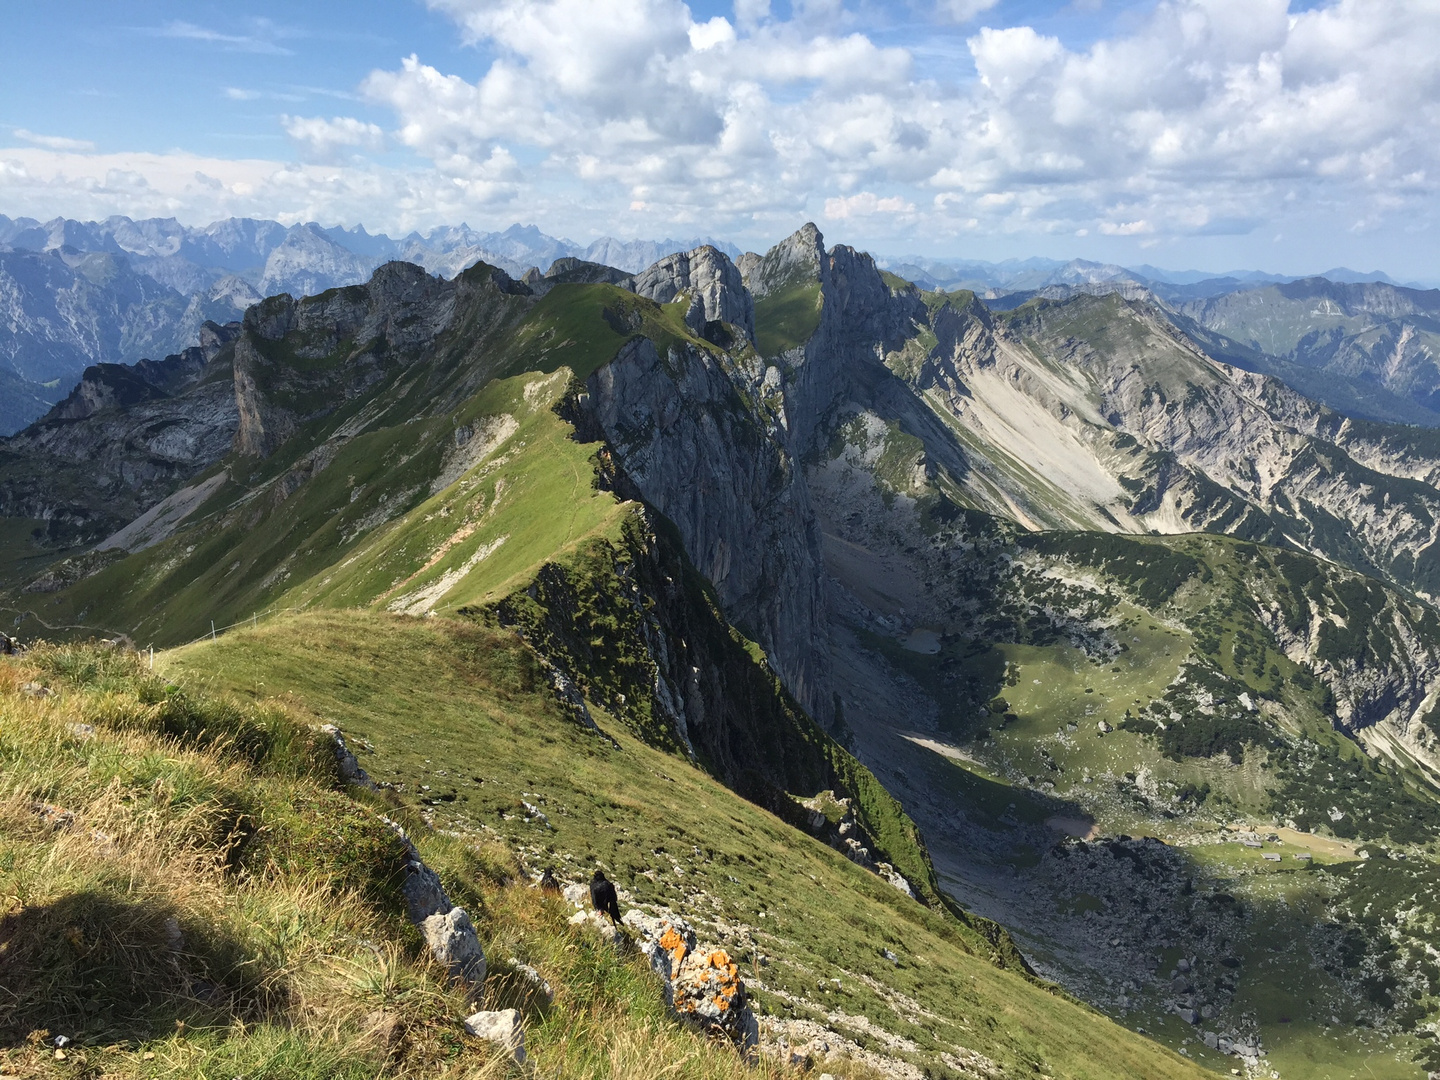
454,944
729,481
125,439
715,442
423,892
714,284
537,983
577,271
350,770
502,1029
799,257
400,311
650,929
447,929
598,923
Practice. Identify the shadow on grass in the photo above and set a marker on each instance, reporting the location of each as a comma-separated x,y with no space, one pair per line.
94,968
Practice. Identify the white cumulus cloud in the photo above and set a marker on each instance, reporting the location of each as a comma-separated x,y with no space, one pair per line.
708,35
323,139
1221,105
1193,119
53,142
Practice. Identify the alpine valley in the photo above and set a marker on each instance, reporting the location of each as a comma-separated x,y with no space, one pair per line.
1040,685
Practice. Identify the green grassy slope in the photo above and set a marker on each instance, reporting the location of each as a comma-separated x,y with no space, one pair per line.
532,498
492,508
787,316
294,521
462,724
1178,629
446,529
350,521
190,892
1179,688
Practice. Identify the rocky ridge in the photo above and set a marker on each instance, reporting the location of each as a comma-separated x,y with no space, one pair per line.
118,291
1095,413
1325,332
857,468
1162,438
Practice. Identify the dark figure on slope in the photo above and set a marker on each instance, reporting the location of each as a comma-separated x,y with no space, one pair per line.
548,883
603,897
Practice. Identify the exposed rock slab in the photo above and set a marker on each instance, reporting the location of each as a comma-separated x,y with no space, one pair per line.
501,1028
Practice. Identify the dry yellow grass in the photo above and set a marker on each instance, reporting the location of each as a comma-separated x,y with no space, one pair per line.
173,903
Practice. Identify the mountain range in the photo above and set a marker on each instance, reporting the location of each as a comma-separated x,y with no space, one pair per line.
993,280
1066,621
78,293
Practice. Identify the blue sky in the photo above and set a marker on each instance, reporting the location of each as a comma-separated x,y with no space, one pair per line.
1209,133
156,76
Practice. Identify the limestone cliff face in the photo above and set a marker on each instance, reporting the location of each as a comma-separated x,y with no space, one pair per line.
263,425
1100,407
121,386
717,293
285,369
1383,703
122,441
714,439
859,318
799,257
1098,413
712,457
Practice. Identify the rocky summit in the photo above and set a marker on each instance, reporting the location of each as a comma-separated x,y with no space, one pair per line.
77,293
952,686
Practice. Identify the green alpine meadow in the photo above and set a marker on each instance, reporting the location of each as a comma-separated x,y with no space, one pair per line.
948,689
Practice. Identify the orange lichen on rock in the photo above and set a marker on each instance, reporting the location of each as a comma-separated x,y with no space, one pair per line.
702,985
674,944
709,988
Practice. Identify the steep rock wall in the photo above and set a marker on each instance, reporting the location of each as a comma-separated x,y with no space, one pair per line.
715,461
299,359
717,292
714,439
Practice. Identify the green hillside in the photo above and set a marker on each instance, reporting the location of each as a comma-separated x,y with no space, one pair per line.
191,892
494,510
1190,778
461,725
1121,688
296,961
